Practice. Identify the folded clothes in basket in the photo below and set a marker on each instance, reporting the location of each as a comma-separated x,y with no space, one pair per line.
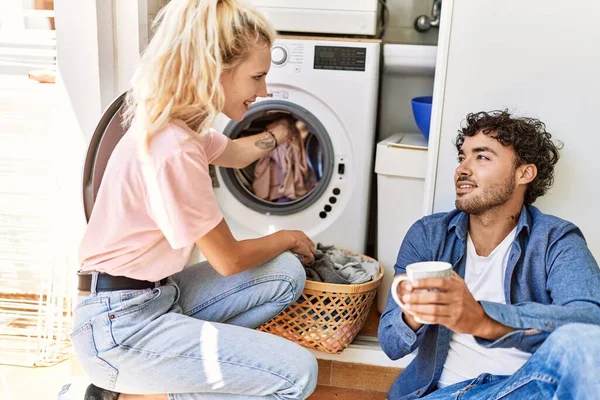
333,265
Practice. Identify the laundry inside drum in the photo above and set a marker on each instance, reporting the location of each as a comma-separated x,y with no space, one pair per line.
290,172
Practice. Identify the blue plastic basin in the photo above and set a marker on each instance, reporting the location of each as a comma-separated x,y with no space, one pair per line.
421,107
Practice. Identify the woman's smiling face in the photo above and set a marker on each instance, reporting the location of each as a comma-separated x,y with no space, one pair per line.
244,83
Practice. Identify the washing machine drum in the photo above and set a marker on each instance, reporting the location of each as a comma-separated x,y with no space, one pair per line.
291,177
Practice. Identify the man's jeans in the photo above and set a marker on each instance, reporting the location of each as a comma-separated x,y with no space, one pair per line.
566,366
194,337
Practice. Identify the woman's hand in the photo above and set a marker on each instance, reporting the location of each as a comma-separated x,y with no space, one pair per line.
282,129
229,256
301,244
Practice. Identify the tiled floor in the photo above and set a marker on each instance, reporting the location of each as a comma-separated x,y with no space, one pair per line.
337,381
335,393
23,383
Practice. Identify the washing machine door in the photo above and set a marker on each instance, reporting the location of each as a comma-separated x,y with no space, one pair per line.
253,212
316,146
107,134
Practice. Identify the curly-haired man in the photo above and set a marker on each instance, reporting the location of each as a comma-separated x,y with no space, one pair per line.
520,317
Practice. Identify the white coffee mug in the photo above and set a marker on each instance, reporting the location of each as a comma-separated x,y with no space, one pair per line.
420,270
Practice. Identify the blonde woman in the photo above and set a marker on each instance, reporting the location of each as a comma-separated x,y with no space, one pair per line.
145,328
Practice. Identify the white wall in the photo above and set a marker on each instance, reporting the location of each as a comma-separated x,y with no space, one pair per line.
98,47
538,59
78,59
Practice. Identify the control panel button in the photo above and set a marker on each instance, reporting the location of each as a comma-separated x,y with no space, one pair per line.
332,200
336,191
279,55
327,208
323,214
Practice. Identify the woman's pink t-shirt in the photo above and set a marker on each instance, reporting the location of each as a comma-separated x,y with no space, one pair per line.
151,210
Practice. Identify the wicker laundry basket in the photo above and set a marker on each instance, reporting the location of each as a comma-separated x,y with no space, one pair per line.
327,317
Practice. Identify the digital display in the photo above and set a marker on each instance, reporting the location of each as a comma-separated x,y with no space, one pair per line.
340,58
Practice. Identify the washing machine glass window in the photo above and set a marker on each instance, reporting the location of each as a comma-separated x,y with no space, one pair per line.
292,176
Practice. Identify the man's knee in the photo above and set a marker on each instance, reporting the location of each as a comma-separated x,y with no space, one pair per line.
574,350
577,342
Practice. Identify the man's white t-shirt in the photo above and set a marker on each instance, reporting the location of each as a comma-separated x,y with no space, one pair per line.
484,277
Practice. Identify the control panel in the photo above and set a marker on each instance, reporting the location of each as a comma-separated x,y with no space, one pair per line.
340,58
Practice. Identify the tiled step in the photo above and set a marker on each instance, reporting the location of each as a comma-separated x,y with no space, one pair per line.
335,393
341,381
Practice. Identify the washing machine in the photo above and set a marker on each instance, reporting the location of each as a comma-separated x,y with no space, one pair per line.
331,88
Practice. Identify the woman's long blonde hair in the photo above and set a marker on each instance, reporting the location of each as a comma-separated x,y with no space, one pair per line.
178,77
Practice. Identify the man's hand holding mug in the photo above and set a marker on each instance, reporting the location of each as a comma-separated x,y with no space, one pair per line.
431,293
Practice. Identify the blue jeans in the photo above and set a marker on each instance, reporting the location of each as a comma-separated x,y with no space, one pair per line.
194,337
565,366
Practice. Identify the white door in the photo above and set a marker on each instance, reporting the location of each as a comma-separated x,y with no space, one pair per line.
536,58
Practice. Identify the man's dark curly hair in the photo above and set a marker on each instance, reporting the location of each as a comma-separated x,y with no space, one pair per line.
527,136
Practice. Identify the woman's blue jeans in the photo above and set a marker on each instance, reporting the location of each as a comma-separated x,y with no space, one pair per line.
194,337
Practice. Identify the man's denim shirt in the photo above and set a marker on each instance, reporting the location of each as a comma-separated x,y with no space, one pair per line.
551,280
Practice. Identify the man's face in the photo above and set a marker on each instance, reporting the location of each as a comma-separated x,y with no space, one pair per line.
246,82
485,176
